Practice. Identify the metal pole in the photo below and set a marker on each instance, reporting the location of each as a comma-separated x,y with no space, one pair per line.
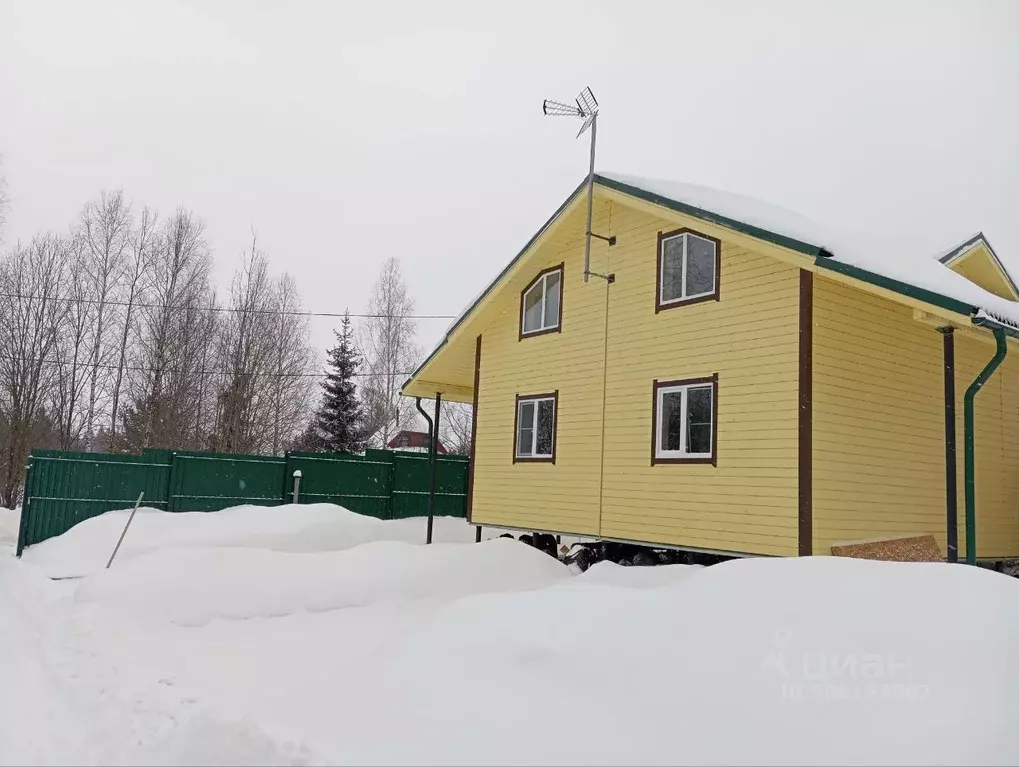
428,420
297,484
124,531
969,448
435,455
590,201
951,487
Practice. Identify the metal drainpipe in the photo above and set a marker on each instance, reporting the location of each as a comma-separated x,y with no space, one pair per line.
432,436
951,452
971,393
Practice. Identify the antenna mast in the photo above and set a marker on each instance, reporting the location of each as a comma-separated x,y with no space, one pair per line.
586,108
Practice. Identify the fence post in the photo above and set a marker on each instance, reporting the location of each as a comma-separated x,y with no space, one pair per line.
297,484
26,499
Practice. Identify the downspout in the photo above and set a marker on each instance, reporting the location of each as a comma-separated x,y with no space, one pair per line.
968,437
951,451
431,458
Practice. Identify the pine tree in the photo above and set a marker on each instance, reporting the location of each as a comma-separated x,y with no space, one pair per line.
337,426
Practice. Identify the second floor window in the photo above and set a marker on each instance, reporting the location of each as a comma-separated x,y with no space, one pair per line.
541,306
687,268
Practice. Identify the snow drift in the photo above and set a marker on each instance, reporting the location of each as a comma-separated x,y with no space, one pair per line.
194,586
392,653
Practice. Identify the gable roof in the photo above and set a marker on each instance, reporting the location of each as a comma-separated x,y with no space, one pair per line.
902,265
979,243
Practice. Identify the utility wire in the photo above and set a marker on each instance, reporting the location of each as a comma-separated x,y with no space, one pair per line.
139,369
227,309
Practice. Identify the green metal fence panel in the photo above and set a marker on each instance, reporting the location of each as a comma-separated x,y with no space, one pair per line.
359,483
214,481
62,488
411,479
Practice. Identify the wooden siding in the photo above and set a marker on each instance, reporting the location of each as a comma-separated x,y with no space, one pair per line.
611,348
879,446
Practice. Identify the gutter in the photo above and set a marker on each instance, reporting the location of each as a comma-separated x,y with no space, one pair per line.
999,331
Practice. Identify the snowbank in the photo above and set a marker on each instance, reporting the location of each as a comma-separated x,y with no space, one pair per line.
494,654
10,519
194,586
86,547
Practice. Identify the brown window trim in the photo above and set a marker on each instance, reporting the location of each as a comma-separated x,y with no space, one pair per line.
554,396
715,296
561,268
655,386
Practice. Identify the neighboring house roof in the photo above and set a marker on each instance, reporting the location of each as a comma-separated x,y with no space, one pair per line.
903,265
414,439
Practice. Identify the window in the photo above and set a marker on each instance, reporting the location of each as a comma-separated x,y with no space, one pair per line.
688,265
535,427
685,414
541,305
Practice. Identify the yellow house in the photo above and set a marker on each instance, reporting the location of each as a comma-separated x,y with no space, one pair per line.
733,379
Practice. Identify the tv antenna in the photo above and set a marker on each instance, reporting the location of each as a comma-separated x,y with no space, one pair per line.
586,108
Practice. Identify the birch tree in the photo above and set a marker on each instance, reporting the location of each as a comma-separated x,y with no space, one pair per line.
134,271
389,352
106,235
29,325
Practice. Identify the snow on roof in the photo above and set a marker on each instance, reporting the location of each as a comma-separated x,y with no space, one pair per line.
912,259
907,258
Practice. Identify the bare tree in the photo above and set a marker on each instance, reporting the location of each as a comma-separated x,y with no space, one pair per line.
29,324
389,352
134,270
106,233
292,362
71,366
455,423
163,392
245,355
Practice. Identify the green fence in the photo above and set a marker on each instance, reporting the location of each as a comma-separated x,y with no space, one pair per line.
63,488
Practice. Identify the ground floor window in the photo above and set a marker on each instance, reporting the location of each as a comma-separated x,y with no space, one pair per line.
535,427
684,421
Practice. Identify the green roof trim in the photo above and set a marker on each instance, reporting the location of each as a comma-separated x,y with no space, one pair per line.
897,286
706,215
493,283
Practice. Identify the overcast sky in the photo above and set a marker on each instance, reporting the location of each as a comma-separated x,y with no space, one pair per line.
349,132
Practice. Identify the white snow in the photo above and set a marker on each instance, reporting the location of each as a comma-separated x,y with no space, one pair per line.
10,520
911,258
268,641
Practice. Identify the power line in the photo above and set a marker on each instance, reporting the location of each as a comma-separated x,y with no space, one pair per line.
139,369
227,309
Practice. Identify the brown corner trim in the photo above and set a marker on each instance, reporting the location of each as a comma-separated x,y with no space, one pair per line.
474,429
714,296
655,386
805,500
561,268
554,396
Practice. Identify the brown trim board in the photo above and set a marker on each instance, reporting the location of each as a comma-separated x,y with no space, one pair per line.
474,428
561,268
805,500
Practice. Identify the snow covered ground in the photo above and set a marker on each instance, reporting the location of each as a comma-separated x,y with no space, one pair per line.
310,635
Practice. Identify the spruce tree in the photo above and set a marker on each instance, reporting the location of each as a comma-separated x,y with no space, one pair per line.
338,422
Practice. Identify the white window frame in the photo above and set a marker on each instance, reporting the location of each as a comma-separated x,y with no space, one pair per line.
711,384
518,422
541,282
685,298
